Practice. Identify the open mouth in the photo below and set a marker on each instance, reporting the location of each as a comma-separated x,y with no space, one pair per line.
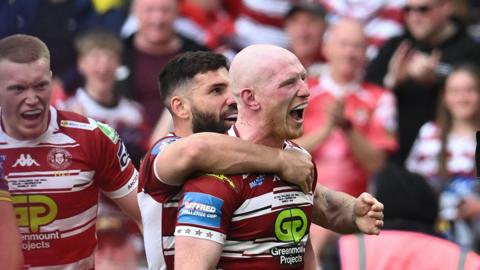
32,114
231,117
297,112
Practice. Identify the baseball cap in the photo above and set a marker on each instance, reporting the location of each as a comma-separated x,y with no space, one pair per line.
312,8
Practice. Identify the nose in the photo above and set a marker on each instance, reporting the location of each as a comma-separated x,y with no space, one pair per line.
31,97
303,91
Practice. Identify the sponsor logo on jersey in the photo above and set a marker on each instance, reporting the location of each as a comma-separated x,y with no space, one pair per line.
290,226
161,145
59,158
108,131
34,211
200,209
75,124
123,157
257,182
223,178
25,160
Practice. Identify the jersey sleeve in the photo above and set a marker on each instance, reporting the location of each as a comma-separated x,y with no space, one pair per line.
114,171
206,207
149,181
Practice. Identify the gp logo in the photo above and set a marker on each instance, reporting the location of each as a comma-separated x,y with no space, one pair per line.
291,225
34,211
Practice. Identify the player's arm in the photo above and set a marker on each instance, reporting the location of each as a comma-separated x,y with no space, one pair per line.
343,213
195,253
230,155
129,205
11,256
204,215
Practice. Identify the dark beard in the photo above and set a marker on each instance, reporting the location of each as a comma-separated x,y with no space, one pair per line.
206,122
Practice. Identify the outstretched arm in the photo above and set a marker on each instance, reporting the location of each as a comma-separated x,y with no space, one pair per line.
229,155
343,213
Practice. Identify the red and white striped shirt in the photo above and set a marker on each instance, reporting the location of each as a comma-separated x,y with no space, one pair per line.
55,181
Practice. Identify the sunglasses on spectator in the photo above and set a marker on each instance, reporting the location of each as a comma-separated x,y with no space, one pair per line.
422,9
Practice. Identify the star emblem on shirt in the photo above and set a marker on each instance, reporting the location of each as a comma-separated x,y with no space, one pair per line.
198,232
187,231
209,235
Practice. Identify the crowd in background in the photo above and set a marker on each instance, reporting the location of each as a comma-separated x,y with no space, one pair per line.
393,84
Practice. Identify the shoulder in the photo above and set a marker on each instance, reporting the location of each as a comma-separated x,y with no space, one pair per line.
290,145
218,183
162,143
429,130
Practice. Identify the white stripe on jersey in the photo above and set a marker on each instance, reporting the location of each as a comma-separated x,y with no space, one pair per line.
130,186
152,224
84,220
254,248
80,229
262,205
202,233
271,8
49,181
86,263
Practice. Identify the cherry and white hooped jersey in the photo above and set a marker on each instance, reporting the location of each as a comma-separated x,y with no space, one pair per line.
55,182
423,157
261,221
158,205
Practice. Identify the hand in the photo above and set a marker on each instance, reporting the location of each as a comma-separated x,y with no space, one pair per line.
422,66
335,112
469,207
397,72
368,214
297,169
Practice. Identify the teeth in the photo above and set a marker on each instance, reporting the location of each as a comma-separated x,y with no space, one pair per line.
300,107
33,112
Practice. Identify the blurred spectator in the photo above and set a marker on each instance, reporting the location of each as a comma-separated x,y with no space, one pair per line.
349,124
408,240
382,19
57,22
305,25
444,151
99,54
206,22
117,246
261,21
414,65
148,50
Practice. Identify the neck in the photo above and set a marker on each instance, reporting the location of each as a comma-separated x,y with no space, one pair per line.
463,127
182,128
169,46
443,34
341,78
255,132
101,95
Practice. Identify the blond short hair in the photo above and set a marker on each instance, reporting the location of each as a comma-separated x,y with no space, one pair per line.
23,49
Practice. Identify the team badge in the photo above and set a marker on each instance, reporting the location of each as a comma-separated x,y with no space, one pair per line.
59,158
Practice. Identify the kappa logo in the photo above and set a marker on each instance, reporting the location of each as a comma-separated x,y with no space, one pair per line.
25,160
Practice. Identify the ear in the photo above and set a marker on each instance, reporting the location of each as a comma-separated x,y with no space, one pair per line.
249,98
180,107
